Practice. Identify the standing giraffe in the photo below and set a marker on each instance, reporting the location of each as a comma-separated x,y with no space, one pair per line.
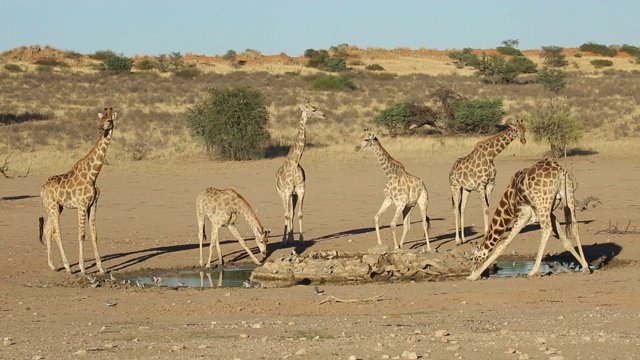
290,177
221,207
77,189
402,189
476,172
531,196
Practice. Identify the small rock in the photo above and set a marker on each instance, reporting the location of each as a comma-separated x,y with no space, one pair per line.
453,347
441,333
256,325
203,346
8,341
523,357
409,355
353,357
540,340
510,351
244,336
557,357
177,347
80,352
301,352
378,347
291,323
37,357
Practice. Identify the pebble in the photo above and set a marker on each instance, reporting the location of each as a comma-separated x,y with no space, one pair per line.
556,358
540,340
256,325
441,333
453,347
244,336
409,355
301,352
80,352
353,357
523,357
8,341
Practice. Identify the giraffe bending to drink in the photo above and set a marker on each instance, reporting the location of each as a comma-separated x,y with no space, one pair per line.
290,177
77,189
402,189
476,172
531,196
221,207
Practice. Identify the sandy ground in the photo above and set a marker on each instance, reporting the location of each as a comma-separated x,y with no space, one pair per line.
146,220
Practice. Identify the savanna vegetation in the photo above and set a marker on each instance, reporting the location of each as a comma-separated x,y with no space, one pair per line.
57,109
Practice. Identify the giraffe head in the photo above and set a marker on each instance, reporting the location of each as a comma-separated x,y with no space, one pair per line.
366,139
262,241
309,111
106,120
519,127
478,257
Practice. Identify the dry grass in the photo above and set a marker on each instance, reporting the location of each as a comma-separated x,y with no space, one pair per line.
151,106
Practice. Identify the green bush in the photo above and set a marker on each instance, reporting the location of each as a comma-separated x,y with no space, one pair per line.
599,49
630,49
11,67
332,82
44,68
189,72
475,116
103,55
233,121
145,64
553,123
401,117
464,57
501,70
553,56
117,64
599,63
230,55
509,51
320,59
374,67
552,79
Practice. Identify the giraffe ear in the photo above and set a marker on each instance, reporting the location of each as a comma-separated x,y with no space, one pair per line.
114,115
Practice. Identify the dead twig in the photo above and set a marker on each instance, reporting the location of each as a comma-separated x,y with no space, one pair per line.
4,169
338,300
614,230
584,204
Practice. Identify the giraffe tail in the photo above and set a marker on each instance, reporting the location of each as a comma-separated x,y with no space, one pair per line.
41,227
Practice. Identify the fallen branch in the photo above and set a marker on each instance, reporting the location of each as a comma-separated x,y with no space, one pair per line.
338,300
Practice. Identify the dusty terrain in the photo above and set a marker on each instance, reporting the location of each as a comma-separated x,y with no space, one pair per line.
146,219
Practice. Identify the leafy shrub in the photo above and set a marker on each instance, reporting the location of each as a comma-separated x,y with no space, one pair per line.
552,79
190,72
230,55
233,121
292,73
374,67
475,116
630,49
599,49
553,56
599,63
103,55
14,68
401,117
117,64
176,60
509,51
44,68
553,123
464,57
320,59
335,64
332,82
500,70
145,64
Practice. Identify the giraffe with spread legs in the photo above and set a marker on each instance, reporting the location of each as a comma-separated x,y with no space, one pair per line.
77,189
402,189
532,195
221,207
476,172
290,177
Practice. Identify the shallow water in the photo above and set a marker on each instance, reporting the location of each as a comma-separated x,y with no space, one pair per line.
224,278
508,268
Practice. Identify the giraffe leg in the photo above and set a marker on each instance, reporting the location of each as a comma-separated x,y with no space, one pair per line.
521,221
215,228
235,233
300,192
394,222
455,201
545,225
406,223
48,233
485,195
202,236
423,203
287,203
94,235
566,243
385,204
58,237
463,204
82,218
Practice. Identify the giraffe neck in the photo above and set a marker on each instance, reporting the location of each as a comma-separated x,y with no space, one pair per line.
91,164
243,207
390,166
494,145
501,220
295,153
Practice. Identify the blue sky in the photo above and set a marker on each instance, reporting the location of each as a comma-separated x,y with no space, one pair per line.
153,27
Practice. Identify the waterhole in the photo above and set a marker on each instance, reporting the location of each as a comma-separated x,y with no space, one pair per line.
506,268
223,278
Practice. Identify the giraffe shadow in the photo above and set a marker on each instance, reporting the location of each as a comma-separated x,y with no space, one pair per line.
18,197
276,151
140,256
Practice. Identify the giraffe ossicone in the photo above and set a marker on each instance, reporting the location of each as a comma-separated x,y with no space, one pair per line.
76,189
403,190
532,195
476,172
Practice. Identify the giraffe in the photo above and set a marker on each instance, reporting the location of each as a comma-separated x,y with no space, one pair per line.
77,189
476,172
531,196
221,207
402,189
290,177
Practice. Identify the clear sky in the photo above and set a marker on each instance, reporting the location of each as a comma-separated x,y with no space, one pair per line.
211,27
